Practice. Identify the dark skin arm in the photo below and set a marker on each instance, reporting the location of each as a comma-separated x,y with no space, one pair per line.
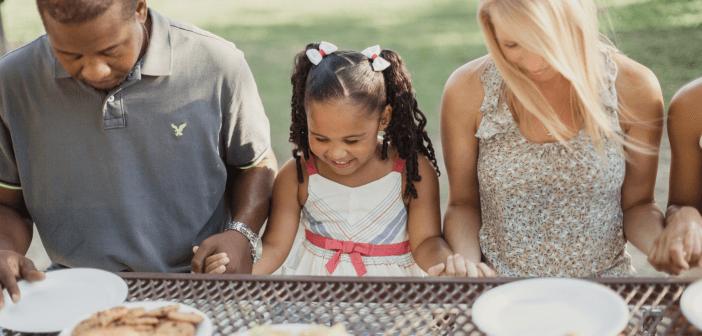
15,237
679,247
250,196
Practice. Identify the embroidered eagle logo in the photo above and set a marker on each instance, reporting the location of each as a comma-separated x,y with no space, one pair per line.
178,129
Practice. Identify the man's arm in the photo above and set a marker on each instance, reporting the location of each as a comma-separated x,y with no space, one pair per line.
251,191
15,224
15,237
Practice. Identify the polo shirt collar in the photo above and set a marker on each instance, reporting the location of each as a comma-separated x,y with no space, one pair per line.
157,60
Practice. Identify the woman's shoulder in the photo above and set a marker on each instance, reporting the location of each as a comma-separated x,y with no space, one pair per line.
463,93
638,88
468,75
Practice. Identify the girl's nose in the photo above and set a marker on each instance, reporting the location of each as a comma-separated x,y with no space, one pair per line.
337,153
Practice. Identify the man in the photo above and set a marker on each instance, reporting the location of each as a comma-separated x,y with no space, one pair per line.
120,129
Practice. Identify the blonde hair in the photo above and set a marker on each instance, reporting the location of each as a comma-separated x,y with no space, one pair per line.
564,33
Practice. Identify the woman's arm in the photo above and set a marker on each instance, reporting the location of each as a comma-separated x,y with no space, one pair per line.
460,117
283,222
639,91
682,237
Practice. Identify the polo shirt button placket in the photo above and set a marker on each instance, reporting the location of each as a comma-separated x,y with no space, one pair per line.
111,99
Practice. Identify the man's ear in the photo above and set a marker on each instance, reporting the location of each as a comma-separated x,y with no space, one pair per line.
142,11
385,118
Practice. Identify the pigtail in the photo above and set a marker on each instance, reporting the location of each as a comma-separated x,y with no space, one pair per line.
298,126
406,130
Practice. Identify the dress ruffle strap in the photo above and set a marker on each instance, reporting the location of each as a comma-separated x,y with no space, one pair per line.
311,167
496,117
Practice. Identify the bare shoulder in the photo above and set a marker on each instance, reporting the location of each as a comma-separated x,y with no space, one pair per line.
689,96
463,93
685,111
288,173
638,88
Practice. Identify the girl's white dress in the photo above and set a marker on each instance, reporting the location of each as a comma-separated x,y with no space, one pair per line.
373,213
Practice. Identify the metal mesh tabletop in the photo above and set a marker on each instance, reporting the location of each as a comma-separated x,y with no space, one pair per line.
380,306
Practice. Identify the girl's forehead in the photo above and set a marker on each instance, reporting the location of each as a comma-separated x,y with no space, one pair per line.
338,116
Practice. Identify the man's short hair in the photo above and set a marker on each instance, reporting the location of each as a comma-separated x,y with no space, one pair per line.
79,11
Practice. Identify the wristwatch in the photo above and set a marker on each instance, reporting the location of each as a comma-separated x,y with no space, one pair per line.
254,239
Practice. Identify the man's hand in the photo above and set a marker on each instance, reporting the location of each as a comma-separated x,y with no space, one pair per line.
457,266
14,267
234,244
679,246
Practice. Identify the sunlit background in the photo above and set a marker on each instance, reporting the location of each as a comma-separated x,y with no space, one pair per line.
434,37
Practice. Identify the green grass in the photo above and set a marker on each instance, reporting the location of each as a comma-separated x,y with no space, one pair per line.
433,37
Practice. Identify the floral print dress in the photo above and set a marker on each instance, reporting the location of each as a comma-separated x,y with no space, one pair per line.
550,210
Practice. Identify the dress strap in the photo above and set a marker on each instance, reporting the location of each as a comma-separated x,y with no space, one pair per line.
311,167
399,164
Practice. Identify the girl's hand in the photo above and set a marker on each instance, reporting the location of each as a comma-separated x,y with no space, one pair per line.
216,263
679,246
457,266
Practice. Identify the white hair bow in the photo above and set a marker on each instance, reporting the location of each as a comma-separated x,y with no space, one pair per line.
379,63
325,48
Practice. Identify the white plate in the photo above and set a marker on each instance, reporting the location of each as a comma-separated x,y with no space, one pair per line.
48,305
553,306
691,303
203,329
293,328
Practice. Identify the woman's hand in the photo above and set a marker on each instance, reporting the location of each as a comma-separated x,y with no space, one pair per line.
457,266
679,246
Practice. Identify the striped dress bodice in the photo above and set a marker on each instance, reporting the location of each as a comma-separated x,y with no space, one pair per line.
373,213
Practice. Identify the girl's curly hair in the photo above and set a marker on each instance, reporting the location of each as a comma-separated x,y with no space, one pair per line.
349,75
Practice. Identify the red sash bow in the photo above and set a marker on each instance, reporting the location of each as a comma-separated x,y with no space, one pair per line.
355,251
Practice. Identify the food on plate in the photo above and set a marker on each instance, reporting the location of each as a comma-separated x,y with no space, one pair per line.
266,330
120,321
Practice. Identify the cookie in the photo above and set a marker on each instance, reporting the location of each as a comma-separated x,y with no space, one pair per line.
139,321
86,325
185,317
172,328
163,311
116,331
107,316
136,313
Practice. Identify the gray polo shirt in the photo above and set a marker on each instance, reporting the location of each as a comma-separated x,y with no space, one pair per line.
130,181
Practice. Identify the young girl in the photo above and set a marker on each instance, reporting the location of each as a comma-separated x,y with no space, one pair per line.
369,203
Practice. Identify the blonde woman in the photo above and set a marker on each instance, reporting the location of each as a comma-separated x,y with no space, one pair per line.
550,144
679,246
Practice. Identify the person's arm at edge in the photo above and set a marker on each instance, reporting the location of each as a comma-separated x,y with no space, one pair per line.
460,118
684,196
15,237
640,92
283,222
15,223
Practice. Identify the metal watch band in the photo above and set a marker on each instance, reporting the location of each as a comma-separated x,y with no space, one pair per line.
241,227
256,248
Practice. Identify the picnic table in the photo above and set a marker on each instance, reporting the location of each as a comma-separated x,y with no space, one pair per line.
377,306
